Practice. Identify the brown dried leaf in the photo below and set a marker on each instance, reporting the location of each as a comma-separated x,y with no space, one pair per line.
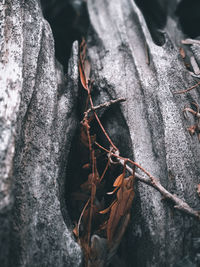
82,77
128,182
125,197
182,52
111,193
198,190
119,180
113,221
107,209
192,129
126,202
75,231
86,166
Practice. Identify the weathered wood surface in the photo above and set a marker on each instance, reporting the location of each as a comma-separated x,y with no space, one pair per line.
156,133
37,125
38,119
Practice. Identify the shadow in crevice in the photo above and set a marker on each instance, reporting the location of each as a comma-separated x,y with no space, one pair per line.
188,12
69,22
155,15
76,179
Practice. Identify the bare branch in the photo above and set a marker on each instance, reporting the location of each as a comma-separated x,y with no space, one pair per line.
190,42
104,105
187,90
178,203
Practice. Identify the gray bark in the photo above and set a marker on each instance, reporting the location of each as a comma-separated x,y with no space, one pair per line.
37,125
157,133
38,119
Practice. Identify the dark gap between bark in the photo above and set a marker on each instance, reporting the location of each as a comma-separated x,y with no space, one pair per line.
69,22
188,12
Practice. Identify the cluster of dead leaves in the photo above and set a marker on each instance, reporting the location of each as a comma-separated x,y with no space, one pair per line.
121,205
95,217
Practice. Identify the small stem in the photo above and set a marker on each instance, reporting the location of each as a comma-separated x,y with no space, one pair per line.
187,90
106,104
104,172
100,124
79,221
179,203
128,160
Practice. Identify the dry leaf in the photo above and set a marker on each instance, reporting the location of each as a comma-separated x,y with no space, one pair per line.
126,202
113,221
119,180
86,166
111,193
122,206
107,209
182,52
192,129
82,77
75,231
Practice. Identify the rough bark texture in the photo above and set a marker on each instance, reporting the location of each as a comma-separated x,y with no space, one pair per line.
37,125
38,119
117,47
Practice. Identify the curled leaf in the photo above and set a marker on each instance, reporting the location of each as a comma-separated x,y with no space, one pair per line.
192,129
82,77
107,209
76,231
119,180
111,193
86,166
182,52
121,207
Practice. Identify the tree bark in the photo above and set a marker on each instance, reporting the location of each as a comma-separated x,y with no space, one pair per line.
134,53
141,62
37,125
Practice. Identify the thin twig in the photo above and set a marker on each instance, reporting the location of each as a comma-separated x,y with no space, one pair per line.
104,172
190,41
179,203
100,124
128,160
79,221
106,104
187,90
195,113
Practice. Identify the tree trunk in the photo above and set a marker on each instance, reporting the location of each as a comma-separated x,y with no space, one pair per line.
133,50
141,62
37,125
